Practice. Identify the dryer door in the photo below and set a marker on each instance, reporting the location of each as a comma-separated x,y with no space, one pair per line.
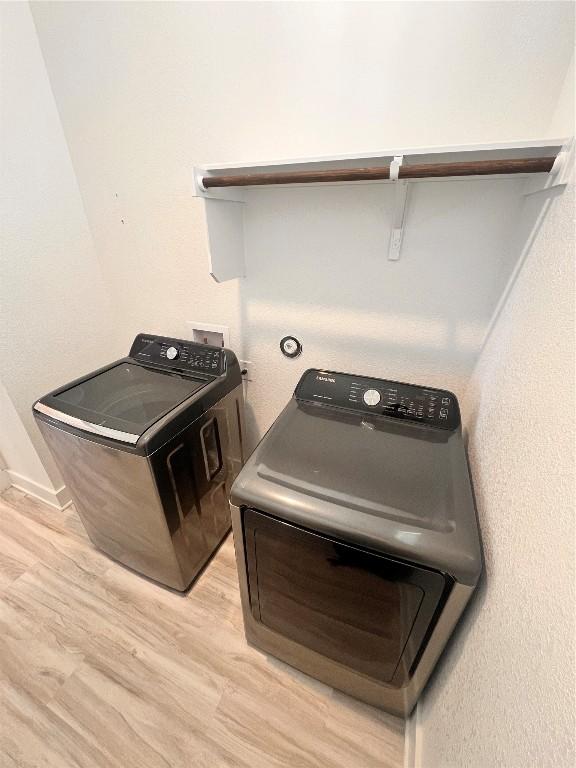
366,611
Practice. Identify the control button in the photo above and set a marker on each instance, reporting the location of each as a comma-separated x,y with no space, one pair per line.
371,397
171,353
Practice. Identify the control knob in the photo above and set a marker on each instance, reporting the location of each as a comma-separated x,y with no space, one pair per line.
172,353
371,397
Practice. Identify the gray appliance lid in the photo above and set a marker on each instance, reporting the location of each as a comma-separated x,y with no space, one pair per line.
127,397
398,487
135,404
370,465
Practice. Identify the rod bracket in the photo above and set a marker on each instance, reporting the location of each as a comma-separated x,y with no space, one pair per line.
395,167
199,180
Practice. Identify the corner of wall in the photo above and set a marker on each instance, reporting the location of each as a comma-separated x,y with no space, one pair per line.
5,481
413,738
21,465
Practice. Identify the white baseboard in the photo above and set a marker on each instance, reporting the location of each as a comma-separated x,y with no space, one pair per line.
58,498
413,739
5,481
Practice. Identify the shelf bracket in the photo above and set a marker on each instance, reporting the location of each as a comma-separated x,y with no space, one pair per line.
559,174
224,220
399,213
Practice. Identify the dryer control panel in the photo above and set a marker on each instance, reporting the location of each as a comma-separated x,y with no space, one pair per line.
179,354
395,399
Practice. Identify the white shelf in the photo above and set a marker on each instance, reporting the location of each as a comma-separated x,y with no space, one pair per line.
224,207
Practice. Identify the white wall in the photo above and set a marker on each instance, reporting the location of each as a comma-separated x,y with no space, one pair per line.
147,90
20,464
318,268
562,120
504,695
56,318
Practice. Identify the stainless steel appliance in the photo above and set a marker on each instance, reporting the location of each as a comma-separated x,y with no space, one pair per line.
356,535
148,447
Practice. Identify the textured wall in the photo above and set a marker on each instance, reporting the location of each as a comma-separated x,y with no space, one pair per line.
504,695
55,314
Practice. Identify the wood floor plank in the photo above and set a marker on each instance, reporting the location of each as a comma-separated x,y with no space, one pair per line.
137,718
101,667
276,716
31,735
65,521
30,659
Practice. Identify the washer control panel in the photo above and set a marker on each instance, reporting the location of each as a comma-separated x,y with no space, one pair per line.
177,353
397,400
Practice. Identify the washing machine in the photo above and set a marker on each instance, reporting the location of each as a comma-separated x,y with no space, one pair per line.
356,534
148,447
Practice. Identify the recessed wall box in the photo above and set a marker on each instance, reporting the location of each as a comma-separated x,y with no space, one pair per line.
208,333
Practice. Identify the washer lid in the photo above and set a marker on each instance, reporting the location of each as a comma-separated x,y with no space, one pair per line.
398,487
124,399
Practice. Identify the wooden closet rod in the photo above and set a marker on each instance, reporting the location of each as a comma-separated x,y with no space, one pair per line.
422,171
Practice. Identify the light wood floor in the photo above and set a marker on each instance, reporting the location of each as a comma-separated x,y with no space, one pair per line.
99,667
